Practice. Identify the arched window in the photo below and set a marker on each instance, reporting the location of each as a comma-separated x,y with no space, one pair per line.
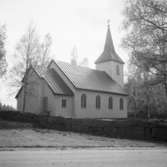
110,103
98,102
63,103
117,70
83,101
121,103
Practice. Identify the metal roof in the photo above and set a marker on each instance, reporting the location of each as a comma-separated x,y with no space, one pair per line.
90,79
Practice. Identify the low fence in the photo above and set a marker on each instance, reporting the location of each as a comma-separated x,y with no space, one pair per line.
127,128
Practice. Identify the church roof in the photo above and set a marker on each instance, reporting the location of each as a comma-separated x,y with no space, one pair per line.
55,82
81,78
109,53
90,79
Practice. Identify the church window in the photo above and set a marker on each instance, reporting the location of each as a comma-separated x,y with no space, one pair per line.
98,102
83,101
110,103
45,104
117,70
64,103
121,104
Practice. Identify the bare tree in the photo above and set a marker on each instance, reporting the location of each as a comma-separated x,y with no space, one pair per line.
146,38
3,63
29,52
45,52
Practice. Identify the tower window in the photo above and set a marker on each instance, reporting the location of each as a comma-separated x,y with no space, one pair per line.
83,101
117,70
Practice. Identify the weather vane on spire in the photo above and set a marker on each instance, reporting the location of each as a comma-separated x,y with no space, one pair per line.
108,23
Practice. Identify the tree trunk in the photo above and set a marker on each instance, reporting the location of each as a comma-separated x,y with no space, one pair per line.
148,112
148,102
25,77
135,110
165,85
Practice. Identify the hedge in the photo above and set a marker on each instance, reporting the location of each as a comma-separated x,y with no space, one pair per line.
122,128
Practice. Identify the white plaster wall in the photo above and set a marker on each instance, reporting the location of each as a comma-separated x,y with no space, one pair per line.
110,68
91,112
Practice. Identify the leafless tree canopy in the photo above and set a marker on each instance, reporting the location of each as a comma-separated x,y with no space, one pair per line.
3,63
145,22
30,51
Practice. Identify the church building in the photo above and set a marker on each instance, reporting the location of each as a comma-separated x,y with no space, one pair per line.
73,91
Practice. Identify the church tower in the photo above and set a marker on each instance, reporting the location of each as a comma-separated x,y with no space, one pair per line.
110,62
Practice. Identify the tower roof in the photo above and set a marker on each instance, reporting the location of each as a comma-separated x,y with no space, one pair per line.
109,53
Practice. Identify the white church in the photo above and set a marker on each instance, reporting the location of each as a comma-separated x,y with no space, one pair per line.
73,91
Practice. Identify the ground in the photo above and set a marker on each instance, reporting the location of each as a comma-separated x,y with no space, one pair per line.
50,148
37,138
84,158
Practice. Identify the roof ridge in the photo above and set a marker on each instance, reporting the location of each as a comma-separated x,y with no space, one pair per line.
89,79
72,64
96,70
79,66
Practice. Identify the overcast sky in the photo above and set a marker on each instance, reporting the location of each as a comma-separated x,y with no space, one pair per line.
80,23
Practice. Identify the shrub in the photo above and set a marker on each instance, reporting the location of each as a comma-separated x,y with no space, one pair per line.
125,128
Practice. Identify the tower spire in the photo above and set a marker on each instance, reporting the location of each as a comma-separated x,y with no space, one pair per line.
109,53
108,23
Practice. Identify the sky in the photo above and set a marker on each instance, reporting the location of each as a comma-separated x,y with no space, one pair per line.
79,23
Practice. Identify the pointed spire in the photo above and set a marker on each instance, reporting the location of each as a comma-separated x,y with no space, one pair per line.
109,46
109,53
108,23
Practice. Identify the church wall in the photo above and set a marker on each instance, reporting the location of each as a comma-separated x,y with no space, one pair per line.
20,101
66,111
37,89
55,103
111,69
33,95
91,112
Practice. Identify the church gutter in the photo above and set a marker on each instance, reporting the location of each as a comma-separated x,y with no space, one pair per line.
101,91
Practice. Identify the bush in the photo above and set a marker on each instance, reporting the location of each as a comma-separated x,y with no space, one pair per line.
18,116
125,128
142,114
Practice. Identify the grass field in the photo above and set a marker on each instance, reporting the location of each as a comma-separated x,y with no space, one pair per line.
37,138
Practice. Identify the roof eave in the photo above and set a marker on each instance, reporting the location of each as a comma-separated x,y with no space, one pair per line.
103,61
101,91
18,92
